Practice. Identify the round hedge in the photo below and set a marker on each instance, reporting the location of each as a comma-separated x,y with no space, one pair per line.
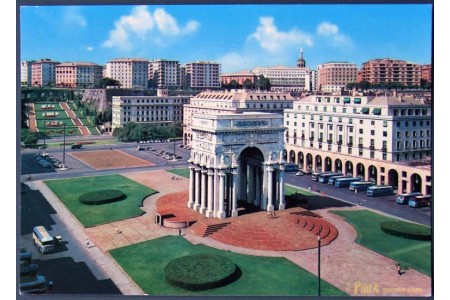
102,197
407,230
201,271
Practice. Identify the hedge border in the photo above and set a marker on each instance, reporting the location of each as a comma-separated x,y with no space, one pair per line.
392,228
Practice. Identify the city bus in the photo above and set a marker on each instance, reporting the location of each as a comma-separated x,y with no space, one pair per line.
33,284
315,175
290,167
323,178
404,198
332,179
345,182
43,239
379,190
360,185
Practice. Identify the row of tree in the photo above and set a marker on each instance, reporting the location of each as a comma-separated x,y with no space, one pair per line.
143,132
261,83
365,85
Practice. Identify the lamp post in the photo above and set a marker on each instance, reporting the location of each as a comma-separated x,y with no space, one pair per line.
64,149
43,152
318,263
174,158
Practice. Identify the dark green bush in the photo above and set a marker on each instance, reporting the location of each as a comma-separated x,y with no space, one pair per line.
201,271
407,230
102,197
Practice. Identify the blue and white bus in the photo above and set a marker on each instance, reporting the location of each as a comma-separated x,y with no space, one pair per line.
323,178
345,182
379,190
360,185
315,175
43,239
332,179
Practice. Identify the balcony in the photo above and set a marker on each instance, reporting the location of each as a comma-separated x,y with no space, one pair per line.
329,141
320,140
372,147
339,143
360,145
384,149
350,144
303,137
311,138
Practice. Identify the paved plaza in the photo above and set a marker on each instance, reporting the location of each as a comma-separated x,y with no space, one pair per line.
350,267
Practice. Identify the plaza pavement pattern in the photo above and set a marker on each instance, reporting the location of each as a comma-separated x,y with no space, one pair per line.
354,269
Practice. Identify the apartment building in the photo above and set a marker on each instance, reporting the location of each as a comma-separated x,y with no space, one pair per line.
203,75
234,101
130,72
78,74
333,76
43,72
426,73
382,71
383,139
25,72
164,74
161,109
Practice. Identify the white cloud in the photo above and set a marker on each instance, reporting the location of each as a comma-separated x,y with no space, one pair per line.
142,23
72,16
337,39
90,48
273,40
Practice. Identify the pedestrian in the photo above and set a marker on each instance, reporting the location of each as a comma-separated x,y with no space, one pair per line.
269,215
50,285
274,215
117,230
87,243
309,187
179,231
323,194
399,270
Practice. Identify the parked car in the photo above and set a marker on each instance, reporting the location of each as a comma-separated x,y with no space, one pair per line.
404,198
299,173
420,201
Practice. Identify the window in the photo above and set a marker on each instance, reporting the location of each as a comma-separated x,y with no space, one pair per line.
406,133
372,154
399,145
384,156
350,121
372,122
350,129
361,122
321,125
399,124
330,119
344,110
334,109
340,120
316,108
361,131
399,134
303,124
354,111
340,127
385,123
385,133
325,109
372,132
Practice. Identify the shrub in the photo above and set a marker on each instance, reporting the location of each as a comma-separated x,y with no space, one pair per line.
407,230
102,197
201,271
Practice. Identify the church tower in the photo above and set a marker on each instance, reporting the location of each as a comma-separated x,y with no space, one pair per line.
301,63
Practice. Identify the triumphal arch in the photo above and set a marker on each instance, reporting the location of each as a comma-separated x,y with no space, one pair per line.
236,158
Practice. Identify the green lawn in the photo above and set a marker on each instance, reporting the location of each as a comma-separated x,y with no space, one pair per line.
180,172
289,190
410,253
69,191
261,276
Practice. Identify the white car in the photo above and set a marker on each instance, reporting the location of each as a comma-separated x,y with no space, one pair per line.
299,174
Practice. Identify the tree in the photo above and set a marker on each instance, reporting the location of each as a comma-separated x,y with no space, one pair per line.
248,84
106,81
263,83
29,138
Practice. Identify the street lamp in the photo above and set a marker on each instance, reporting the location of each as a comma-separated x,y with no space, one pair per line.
318,263
64,149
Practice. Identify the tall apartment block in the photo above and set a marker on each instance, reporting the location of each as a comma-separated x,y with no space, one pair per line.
25,72
235,101
334,76
384,139
78,74
161,109
426,73
203,75
130,72
381,71
43,72
164,74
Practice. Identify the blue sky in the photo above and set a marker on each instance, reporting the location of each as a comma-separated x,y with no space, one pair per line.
237,36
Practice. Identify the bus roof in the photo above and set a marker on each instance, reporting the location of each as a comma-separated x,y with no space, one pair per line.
42,233
374,187
348,178
362,182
